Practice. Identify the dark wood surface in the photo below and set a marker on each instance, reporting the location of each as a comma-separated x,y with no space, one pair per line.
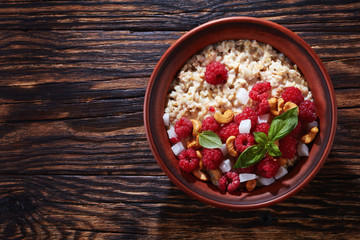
74,158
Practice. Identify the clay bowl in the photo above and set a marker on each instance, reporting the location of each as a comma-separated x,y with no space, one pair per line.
284,41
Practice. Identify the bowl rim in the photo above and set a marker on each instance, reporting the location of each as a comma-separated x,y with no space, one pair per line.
324,73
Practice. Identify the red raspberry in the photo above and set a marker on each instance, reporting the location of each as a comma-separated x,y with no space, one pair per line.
183,127
297,130
287,147
175,140
267,168
188,160
212,158
210,124
247,113
262,107
216,73
229,180
260,91
243,141
307,111
262,127
230,129
250,169
211,109
292,94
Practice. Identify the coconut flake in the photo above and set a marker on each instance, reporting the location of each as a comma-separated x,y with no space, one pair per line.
225,166
247,177
281,172
171,132
178,148
224,149
245,126
311,125
303,150
242,95
264,118
265,181
166,118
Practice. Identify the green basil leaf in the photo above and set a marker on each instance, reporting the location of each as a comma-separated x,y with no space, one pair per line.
282,125
209,139
261,138
250,156
273,150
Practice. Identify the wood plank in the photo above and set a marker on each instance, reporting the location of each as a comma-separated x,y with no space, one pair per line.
116,146
152,206
175,15
53,206
35,57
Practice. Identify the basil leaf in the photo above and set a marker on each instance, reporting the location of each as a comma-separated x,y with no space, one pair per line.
209,139
250,156
282,125
261,138
273,150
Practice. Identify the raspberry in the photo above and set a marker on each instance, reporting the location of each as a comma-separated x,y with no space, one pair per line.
229,180
287,147
243,141
260,91
212,158
307,111
247,113
292,94
216,73
267,168
211,109
188,160
250,169
230,129
297,130
210,124
174,140
262,107
262,127
183,127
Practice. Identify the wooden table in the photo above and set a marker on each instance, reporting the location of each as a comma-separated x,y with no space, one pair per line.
74,158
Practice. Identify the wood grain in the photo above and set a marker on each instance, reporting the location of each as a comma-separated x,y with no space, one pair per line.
74,158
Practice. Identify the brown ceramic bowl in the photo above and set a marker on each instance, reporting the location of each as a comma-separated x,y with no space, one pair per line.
284,41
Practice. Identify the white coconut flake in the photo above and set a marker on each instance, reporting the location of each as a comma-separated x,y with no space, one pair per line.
224,149
171,132
303,150
311,125
264,118
245,126
244,177
225,166
166,118
178,148
242,95
265,181
281,172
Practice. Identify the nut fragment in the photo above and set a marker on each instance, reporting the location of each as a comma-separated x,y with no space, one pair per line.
230,146
282,161
224,118
194,144
201,163
250,185
215,175
200,175
290,105
309,137
196,127
276,106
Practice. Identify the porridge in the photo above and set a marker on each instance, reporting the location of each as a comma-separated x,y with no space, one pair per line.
239,114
